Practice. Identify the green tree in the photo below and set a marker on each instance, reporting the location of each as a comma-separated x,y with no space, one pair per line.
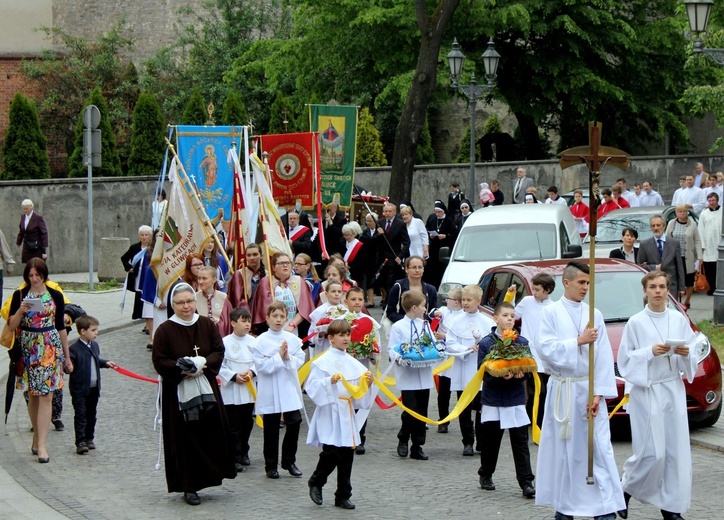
195,112
464,151
110,162
234,111
147,143
425,154
281,110
24,154
369,146
492,125
66,78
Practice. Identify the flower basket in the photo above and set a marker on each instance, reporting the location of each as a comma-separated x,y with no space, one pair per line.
508,357
421,350
363,341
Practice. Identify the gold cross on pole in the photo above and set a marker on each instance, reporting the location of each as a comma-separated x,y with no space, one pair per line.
595,157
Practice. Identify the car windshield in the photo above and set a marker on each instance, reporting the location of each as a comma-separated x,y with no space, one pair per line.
610,230
506,242
619,295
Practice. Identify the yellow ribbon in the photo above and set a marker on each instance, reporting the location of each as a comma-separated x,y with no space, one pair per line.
622,403
536,404
355,391
252,391
307,367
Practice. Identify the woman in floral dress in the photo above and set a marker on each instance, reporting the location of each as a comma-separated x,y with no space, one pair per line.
44,344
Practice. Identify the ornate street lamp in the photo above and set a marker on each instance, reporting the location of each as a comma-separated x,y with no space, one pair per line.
698,12
456,59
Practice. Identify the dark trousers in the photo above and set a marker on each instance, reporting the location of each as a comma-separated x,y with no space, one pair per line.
710,272
443,397
412,429
467,428
389,274
491,434
241,422
340,457
84,420
292,421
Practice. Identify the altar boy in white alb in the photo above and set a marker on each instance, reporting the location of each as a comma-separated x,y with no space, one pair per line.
278,355
656,346
563,342
334,425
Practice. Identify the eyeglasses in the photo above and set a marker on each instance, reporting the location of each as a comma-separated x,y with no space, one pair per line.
300,264
184,302
416,267
197,265
284,264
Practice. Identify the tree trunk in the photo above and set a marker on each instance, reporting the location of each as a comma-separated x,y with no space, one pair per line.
531,138
412,119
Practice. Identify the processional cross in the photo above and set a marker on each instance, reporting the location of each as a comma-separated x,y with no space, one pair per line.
595,157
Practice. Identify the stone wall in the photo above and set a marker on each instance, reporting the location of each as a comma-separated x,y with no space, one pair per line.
122,204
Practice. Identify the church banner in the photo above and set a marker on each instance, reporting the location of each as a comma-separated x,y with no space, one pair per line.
203,151
337,127
291,160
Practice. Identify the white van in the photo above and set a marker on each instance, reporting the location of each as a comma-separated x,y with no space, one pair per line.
506,234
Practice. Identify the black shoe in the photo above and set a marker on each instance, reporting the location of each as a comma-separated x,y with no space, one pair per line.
244,461
402,450
91,445
239,467
33,451
315,493
192,499
561,516
668,515
272,473
150,347
43,460
442,428
293,470
59,426
529,491
360,450
468,450
487,483
624,512
418,454
344,504
82,448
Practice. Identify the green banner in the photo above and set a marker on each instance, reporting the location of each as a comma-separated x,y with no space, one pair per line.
337,127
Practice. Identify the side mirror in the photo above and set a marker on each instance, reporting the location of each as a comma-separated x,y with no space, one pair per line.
444,255
573,251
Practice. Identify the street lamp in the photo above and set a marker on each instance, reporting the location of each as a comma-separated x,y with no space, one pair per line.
456,59
698,12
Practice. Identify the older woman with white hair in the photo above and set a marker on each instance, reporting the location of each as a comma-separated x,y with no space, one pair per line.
132,261
33,235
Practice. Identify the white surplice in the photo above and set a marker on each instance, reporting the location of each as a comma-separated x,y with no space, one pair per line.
529,311
563,453
277,380
334,420
408,378
659,471
464,332
237,360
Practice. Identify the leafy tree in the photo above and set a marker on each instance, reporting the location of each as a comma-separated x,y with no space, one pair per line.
425,154
147,143
110,162
24,154
492,125
234,111
369,146
464,151
66,78
280,111
195,112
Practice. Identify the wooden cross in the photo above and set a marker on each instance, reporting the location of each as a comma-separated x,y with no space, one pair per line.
196,350
595,157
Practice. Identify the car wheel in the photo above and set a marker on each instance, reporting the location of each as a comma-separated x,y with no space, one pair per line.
710,420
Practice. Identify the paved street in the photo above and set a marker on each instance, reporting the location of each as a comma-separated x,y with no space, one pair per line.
118,479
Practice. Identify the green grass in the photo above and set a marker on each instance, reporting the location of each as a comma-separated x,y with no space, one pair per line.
97,286
715,333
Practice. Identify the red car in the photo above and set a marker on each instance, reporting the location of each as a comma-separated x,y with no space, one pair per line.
619,296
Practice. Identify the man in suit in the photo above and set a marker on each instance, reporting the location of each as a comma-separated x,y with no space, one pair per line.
663,253
334,220
520,187
393,245
33,235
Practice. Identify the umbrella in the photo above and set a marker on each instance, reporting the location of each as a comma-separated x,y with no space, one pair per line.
14,354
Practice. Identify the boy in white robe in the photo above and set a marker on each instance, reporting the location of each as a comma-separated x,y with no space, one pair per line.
655,347
332,309
278,355
237,373
453,307
333,425
563,341
414,383
464,332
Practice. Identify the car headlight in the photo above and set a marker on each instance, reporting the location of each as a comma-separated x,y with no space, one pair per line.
445,289
703,347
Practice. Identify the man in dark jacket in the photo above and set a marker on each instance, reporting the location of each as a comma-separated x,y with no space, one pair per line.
393,246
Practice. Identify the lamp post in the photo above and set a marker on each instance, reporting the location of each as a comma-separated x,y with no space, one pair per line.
456,59
698,12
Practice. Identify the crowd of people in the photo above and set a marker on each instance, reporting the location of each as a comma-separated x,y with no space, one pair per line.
229,348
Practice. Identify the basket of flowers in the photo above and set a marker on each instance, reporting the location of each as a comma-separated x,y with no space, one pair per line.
363,340
332,313
507,356
421,350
